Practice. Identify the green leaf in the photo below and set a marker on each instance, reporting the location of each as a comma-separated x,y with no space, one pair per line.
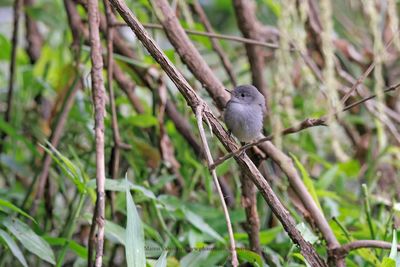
301,257
79,250
69,168
5,48
194,258
11,206
13,247
306,233
350,168
201,225
142,120
250,257
134,242
120,186
114,232
388,262
308,182
10,131
30,240
162,260
267,236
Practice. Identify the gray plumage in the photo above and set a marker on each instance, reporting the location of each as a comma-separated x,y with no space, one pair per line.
244,113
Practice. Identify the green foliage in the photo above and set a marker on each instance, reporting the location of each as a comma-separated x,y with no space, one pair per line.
29,239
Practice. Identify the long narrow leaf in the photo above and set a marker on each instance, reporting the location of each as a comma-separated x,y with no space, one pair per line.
134,244
162,260
13,247
30,240
11,206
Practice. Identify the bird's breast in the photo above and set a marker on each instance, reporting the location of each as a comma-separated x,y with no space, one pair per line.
244,121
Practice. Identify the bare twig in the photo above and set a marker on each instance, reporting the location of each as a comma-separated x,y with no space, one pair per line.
305,124
99,104
245,163
116,150
199,117
342,251
216,46
361,79
211,35
14,46
352,105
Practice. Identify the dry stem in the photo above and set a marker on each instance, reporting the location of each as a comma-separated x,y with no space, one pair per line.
210,161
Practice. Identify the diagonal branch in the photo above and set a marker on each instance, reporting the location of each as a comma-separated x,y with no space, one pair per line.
244,162
205,75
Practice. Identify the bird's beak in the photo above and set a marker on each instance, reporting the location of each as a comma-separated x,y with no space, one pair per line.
228,91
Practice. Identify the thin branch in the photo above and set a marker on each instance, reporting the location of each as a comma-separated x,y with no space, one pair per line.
358,244
211,35
116,150
365,99
14,46
216,46
305,124
199,117
361,79
244,162
99,107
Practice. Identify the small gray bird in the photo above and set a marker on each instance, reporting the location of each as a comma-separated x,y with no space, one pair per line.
244,113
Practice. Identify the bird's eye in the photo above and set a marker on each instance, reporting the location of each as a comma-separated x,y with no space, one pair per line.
242,95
